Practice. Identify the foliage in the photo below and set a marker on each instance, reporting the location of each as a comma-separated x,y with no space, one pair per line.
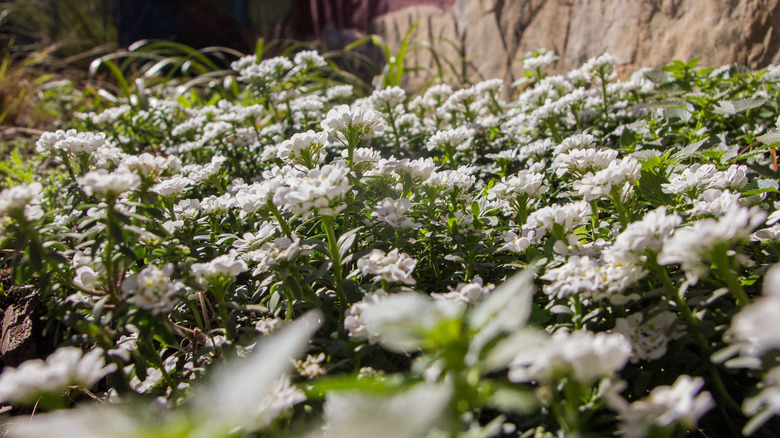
591,257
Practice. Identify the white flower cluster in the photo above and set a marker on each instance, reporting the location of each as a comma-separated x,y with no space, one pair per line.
153,289
320,190
104,183
689,245
274,252
392,212
345,123
681,403
226,265
393,267
23,200
304,148
618,173
699,177
583,355
66,367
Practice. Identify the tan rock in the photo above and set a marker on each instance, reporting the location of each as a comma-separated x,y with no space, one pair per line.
485,38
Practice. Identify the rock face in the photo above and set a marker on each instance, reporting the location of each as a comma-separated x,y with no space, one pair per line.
481,39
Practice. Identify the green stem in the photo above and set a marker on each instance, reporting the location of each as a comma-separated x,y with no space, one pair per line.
721,260
279,218
327,225
693,327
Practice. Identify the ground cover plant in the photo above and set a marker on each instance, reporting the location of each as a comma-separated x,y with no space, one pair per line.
588,256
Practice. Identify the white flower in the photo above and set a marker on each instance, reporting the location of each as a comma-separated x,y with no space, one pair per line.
580,161
519,243
339,91
86,278
174,185
309,59
225,265
617,174
346,123
392,213
647,234
650,338
466,293
689,245
522,183
320,190
768,400
23,199
459,138
273,252
353,320
282,397
665,405
539,59
103,183
305,148
756,326
577,141
583,355
715,202
70,141
200,173
65,367
250,240
152,289
706,176
148,165
311,368
393,267
567,216
400,322
388,99
410,414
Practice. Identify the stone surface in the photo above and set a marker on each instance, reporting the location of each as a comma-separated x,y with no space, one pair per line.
486,38
18,341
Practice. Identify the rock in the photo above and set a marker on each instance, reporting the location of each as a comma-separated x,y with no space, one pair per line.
18,342
479,39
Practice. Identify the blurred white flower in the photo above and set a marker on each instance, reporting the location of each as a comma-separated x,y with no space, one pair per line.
65,367
22,201
680,403
410,414
689,245
400,322
584,355
649,338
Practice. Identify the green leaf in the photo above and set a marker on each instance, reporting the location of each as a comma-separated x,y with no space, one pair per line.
380,384
650,189
756,187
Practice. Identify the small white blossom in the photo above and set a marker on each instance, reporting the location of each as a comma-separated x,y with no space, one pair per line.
225,265
393,267
103,183
152,289
649,338
392,213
